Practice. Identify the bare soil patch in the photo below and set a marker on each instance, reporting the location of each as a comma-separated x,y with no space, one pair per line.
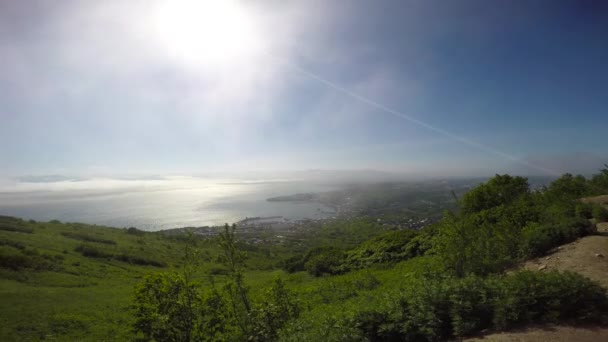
587,256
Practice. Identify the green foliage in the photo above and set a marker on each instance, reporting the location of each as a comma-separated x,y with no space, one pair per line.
538,238
584,210
501,222
599,182
528,296
438,309
11,224
238,293
279,306
317,261
422,243
135,231
499,190
92,252
327,260
567,188
171,307
11,243
29,259
139,260
599,213
388,247
201,297
167,308
87,238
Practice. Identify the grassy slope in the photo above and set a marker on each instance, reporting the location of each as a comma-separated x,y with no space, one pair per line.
80,297
88,299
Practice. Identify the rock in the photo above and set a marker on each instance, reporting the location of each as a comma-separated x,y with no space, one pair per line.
542,267
599,255
548,258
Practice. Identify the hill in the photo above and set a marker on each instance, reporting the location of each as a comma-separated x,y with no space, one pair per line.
354,279
586,256
71,281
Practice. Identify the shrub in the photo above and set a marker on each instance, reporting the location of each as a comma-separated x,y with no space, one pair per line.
16,228
538,239
293,264
278,307
442,309
499,190
135,231
87,238
325,261
599,213
317,261
92,252
388,247
29,259
528,296
137,260
14,244
167,308
583,210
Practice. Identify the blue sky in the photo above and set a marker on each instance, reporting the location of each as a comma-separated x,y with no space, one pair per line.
471,87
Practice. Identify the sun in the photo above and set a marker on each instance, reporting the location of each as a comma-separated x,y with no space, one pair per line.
208,33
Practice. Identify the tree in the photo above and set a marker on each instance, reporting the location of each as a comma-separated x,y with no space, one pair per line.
484,235
166,308
499,190
238,293
599,182
270,316
324,260
168,305
567,188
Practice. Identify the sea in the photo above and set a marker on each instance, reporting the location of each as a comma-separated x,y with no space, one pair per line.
157,203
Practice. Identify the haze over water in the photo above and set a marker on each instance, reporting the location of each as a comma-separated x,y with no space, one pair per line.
156,204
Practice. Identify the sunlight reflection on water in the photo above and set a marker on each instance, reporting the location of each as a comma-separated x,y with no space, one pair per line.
156,204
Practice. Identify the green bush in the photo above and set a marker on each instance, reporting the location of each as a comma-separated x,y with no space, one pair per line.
167,308
92,252
584,210
87,238
15,228
137,260
442,309
317,261
29,259
526,297
388,247
599,213
538,239
278,307
135,231
14,244
499,190
325,261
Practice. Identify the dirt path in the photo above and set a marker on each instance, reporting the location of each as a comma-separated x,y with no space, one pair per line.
587,256
548,334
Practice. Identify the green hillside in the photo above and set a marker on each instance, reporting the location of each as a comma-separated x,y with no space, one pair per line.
350,281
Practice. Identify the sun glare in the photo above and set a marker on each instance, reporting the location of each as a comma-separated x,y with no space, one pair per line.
207,33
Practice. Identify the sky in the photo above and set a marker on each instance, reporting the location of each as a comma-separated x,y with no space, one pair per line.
414,87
